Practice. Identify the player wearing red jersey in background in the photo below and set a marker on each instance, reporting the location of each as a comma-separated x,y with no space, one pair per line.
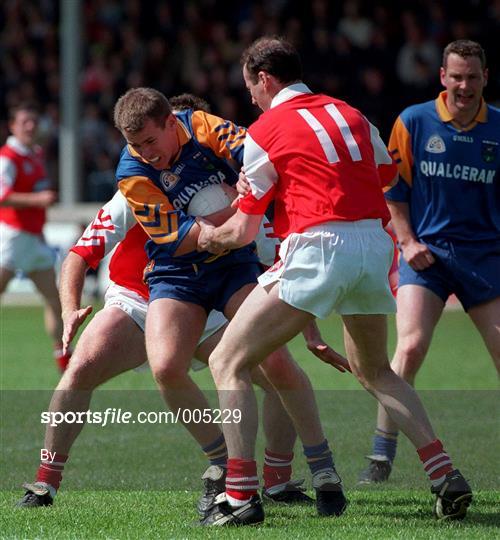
25,193
323,164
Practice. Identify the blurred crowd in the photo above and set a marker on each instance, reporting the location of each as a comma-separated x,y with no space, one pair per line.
380,56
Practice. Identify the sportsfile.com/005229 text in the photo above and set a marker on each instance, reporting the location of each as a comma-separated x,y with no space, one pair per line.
121,416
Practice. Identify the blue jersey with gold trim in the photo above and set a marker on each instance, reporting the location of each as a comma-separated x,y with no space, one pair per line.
449,176
159,198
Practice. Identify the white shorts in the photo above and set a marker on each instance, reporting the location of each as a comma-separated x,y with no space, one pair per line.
134,305
24,251
339,267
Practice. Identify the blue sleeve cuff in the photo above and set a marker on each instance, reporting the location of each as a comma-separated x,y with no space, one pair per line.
399,193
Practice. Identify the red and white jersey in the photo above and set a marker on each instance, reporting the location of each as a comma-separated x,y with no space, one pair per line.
22,171
113,226
319,159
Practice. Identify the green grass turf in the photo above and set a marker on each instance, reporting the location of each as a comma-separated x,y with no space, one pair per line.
155,514
142,481
456,360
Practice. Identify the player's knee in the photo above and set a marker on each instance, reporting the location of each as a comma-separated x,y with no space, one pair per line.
81,374
220,368
169,373
281,370
225,368
215,366
370,376
408,358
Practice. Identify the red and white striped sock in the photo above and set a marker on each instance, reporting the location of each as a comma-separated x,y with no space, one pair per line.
242,481
436,461
50,472
277,471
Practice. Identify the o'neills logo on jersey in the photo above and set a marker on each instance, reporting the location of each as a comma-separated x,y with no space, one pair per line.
168,180
435,145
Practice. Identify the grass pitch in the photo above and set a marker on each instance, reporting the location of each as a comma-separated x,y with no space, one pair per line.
142,481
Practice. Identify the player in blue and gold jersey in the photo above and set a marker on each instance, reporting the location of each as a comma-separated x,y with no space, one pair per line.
446,213
168,159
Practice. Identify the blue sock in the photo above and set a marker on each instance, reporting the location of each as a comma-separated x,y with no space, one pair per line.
385,444
319,458
216,452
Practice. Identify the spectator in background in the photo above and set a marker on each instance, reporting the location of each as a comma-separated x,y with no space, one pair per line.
338,40
101,182
356,28
418,58
25,193
446,214
372,98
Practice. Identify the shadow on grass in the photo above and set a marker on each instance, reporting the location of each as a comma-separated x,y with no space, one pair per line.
491,518
473,519
420,509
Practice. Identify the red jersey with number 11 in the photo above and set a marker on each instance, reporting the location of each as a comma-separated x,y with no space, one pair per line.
319,159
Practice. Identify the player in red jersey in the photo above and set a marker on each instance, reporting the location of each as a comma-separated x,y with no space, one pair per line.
113,342
165,162
25,193
324,166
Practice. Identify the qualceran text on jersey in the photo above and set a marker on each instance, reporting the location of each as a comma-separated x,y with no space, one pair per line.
459,172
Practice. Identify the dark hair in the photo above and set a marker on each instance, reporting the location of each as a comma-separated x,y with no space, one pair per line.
27,106
275,56
138,105
188,101
464,48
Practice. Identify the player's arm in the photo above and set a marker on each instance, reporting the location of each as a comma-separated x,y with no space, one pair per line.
102,234
237,231
71,283
243,227
41,198
415,253
221,216
173,229
322,350
108,228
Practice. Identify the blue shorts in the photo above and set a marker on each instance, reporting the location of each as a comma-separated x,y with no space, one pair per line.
209,285
471,273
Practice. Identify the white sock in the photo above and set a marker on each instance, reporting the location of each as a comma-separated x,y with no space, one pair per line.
236,503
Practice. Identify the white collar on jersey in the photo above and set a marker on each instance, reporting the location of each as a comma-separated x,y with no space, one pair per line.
289,92
18,147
